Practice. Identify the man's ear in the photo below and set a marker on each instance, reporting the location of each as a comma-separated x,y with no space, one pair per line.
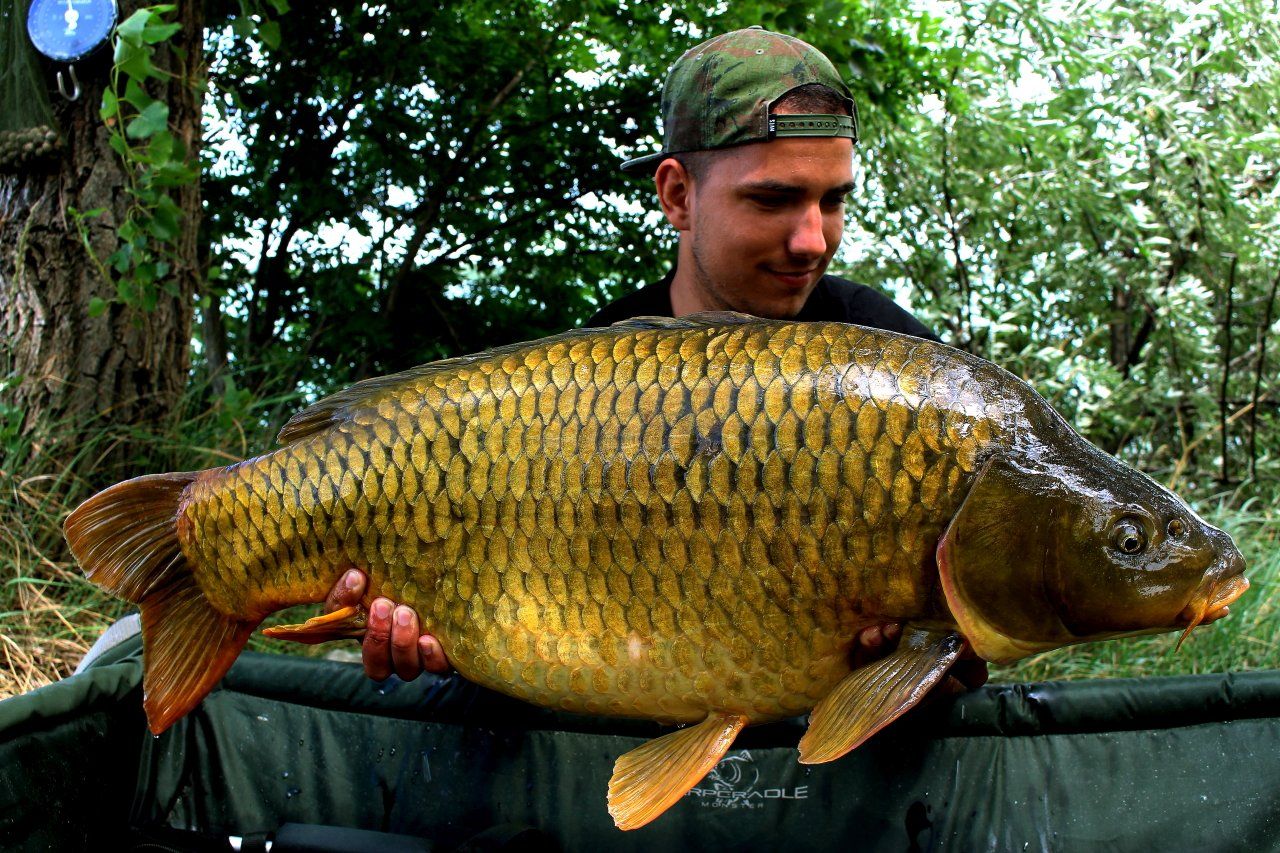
675,193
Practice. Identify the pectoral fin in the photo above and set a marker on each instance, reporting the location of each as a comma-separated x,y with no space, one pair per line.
872,696
650,778
343,624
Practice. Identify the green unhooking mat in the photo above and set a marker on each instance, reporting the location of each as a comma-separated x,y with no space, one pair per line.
1189,763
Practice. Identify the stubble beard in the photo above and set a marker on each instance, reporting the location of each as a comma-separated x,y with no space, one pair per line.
711,295
716,294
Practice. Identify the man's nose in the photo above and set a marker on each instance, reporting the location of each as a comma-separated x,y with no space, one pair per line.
807,238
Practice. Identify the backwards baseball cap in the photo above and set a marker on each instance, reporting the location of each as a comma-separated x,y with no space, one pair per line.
720,93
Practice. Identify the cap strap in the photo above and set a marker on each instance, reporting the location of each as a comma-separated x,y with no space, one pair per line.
812,124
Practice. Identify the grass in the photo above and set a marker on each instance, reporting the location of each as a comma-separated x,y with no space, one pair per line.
50,615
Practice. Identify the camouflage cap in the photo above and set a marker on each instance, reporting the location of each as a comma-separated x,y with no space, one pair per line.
719,93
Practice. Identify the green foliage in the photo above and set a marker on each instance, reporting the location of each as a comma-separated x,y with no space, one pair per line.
155,160
392,184
1082,200
10,416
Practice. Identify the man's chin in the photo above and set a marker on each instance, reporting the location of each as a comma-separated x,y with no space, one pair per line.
779,306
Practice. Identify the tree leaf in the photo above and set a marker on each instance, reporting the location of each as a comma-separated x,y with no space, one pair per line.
269,32
136,96
110,105
162,147
130,30
164,223
154,33
149,122
118,144
134,60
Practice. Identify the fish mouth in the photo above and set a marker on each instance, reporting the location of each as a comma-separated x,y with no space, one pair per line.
1211,607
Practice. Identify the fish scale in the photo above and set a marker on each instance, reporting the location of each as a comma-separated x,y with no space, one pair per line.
655,523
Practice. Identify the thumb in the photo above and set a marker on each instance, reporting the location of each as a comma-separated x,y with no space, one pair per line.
347,592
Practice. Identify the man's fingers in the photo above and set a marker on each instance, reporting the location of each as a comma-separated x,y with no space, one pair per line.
432,656
875,642
376,649
404,643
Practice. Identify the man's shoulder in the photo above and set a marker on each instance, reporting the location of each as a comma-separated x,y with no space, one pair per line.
840,300
652,300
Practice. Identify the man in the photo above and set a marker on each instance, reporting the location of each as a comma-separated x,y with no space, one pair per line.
756,164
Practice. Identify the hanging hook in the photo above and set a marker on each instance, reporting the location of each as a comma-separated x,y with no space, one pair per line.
75,84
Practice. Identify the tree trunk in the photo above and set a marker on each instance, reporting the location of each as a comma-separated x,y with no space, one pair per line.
127,364
1120,328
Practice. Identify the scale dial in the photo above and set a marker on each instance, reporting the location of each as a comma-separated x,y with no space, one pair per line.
68,29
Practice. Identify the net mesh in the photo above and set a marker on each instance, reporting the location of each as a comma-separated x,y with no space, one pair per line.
27,132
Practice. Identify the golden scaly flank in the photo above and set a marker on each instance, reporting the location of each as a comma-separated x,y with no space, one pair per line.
638,521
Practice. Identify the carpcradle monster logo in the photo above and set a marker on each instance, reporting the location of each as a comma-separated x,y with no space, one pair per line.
735,784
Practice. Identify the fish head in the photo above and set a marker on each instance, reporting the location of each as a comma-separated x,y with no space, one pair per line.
1045,553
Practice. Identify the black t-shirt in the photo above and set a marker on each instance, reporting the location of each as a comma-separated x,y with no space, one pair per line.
833,299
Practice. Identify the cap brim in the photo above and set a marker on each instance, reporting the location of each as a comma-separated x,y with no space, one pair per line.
641,165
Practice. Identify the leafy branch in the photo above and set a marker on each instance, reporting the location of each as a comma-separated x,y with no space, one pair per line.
156,162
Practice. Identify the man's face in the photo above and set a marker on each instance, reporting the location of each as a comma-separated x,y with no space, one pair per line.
765,221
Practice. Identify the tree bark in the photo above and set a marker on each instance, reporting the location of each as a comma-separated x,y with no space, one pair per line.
1225,477
127,364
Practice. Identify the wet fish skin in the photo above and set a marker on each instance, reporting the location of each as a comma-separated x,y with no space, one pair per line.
644,521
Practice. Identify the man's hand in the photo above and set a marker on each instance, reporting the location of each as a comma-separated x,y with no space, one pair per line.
392,642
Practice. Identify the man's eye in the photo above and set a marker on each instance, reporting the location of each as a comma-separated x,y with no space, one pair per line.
769,200
831,202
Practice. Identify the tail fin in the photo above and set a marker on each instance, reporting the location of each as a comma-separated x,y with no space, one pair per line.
126,540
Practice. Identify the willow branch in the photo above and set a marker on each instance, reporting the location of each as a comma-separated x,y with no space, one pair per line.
1263,333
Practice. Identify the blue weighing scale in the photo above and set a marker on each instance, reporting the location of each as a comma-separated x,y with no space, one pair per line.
67,30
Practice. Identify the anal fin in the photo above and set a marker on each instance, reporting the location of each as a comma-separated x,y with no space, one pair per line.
649,779
347,623
187,647
872,696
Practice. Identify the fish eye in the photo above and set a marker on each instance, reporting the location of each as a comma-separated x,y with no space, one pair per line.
1177,528
1127,537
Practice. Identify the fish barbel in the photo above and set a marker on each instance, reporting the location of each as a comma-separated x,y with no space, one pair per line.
686,520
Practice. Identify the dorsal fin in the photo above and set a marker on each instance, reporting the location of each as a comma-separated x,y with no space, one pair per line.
328,410
688,321
338,406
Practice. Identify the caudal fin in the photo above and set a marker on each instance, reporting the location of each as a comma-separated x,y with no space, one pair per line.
126,540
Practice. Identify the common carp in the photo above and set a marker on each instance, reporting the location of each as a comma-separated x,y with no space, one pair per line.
685,520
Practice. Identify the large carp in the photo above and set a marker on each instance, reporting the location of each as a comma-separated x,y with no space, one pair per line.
686,520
